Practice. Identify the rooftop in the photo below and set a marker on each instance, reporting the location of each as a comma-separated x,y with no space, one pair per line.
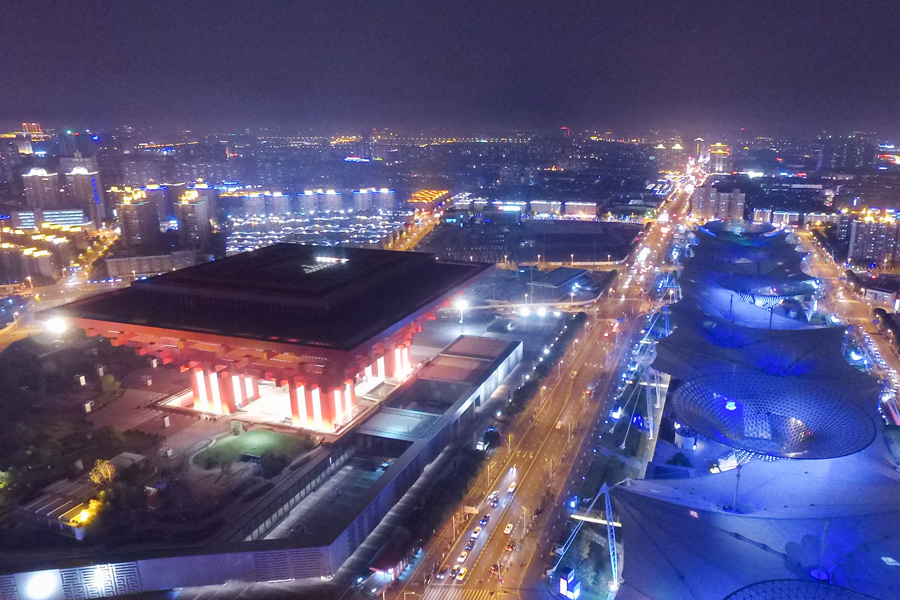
306,295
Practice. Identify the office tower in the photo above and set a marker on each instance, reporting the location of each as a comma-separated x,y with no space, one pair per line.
138,221
874,241
42,189
192,214
83,186
720,158
710,203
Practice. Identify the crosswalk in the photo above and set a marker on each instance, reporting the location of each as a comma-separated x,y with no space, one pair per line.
458,592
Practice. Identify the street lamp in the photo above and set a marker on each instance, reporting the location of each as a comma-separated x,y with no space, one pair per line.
462,304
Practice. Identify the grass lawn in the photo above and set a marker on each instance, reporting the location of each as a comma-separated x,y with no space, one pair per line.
230,447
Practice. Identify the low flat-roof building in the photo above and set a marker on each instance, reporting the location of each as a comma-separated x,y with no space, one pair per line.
303,528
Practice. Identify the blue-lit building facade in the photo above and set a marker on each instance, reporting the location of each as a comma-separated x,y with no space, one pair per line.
758,374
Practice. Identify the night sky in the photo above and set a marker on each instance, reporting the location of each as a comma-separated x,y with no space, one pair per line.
625,64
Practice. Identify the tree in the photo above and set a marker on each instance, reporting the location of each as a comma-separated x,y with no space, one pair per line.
271,464
109,384
103,473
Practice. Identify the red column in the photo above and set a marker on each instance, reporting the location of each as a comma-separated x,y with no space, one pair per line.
349,398
235,384
299,417
390,363
251,388
214,392
314,408
331,408
198,386
407,362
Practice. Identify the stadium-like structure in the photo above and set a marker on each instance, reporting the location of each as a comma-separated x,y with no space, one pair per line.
819,518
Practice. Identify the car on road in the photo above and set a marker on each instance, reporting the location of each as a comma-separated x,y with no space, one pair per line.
462,574
508,529
511,546
476,532
511,488
484,520
462,556
495,502
470,544
442,574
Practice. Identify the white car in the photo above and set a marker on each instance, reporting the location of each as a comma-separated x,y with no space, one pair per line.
463,556
512,487
508,529
476,532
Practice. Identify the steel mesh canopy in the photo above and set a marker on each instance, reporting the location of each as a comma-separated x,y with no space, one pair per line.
795,589
777,416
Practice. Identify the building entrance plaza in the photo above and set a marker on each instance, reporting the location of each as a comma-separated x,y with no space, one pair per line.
273,403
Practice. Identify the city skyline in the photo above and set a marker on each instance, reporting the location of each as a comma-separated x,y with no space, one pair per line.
768,67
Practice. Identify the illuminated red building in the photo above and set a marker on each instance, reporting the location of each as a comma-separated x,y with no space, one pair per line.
294,333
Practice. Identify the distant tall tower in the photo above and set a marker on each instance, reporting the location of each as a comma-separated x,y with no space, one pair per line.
42,189
719,158
83,186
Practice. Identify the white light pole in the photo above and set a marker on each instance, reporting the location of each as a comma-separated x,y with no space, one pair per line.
462,304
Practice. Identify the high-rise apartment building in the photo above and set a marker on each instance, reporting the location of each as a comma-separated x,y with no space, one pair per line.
278,204
710,203
210,195
83,186
384,199
874,241
362,199
138,220
42,189
194,228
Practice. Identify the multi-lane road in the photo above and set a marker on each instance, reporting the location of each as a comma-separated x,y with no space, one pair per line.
546,445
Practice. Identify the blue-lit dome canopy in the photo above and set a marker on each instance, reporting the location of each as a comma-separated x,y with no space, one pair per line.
788,417
795,589
703,345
